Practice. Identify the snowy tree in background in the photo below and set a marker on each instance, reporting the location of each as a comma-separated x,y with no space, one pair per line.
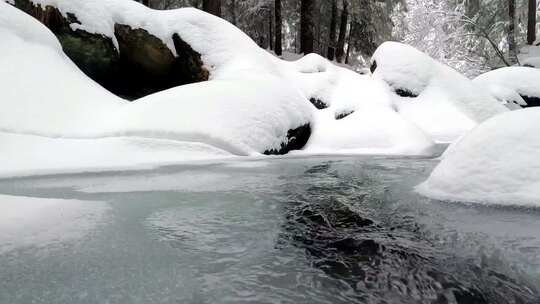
434,27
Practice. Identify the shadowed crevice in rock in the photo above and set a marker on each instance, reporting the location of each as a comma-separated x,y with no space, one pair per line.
373,67
296,140
143,64
319,104
149,66
531,101
405,93
343,114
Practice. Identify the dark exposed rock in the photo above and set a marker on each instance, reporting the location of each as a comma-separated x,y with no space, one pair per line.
150,66
373,67
189,61
94,54
531,101
405,93
296,140
142,65
319,104
342,115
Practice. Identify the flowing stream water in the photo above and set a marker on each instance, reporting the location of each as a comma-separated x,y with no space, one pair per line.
277,230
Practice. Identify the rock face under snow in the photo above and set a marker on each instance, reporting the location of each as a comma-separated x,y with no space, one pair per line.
252,103
50,97
138,65
516,81
438,99
496,163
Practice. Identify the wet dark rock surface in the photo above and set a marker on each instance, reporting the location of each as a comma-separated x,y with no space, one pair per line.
319,104
296,140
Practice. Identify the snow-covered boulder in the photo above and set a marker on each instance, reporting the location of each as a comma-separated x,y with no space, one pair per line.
252,103
360,119
438,99
133,51
496,163
50,97
521,84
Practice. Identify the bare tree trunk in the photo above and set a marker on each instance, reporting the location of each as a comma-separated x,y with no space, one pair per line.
279,24
212,6
233,12
340,51
332,35
512,48
307,25
531,22
270,29
349,42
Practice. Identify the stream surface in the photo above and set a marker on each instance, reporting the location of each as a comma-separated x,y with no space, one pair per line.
278,230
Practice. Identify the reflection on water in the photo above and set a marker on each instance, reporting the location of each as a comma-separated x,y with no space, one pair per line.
291,230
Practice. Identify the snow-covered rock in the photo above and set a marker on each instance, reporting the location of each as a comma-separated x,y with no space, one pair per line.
50,97
529,55
521,81
496,163
438,99
253,102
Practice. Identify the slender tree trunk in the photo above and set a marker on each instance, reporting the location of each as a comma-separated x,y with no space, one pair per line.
340,51
512,48
531,22
279,24
332,35
270,29
233,12
307,25
212,6
349,42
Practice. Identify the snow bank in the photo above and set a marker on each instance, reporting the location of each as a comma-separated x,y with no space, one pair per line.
42,91
438,99
522,81
48,96
26,155
60,120
496,163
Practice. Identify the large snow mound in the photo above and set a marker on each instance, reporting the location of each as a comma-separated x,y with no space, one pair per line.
438,99
49,96
62,120
42,91
522,81
496,163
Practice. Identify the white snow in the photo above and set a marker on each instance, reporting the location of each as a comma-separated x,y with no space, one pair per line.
25,155
496,163
521,80
529,55
55,119
51,110
41,222
373,126
448,104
